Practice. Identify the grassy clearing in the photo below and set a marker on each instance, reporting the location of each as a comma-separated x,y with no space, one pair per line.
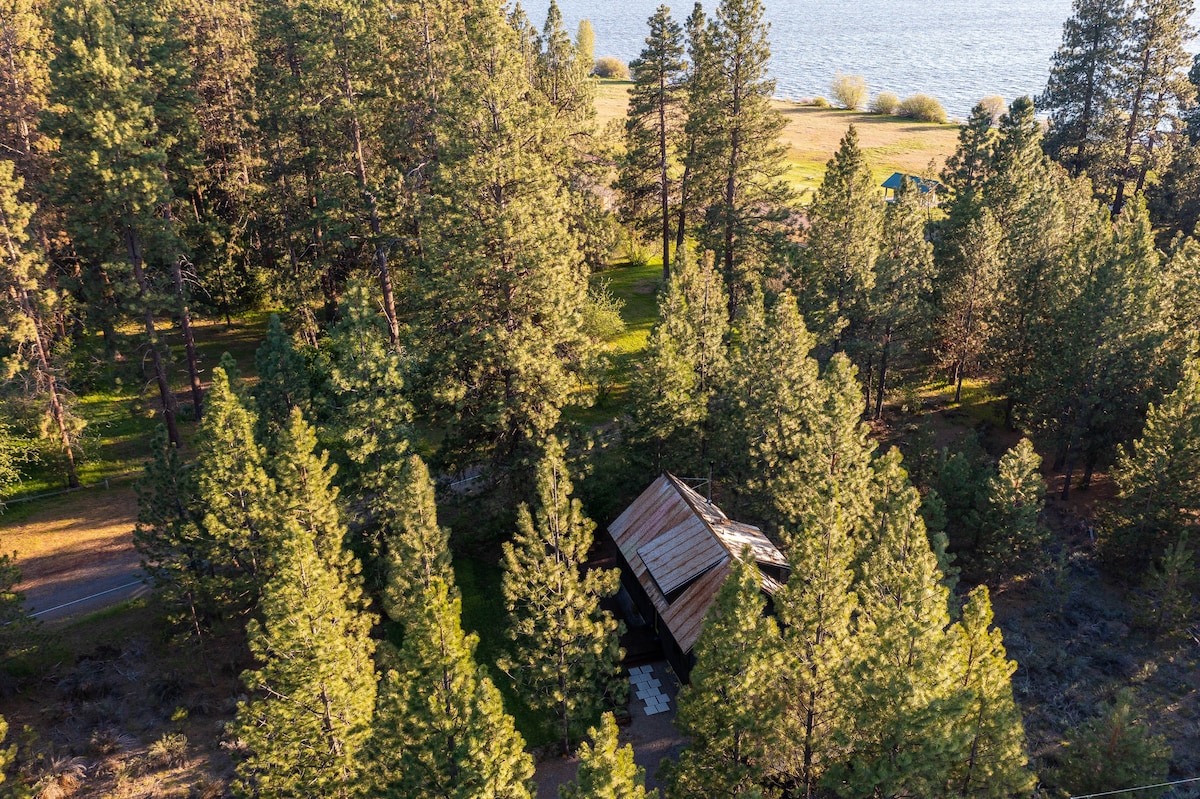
484,615
812,135
979,399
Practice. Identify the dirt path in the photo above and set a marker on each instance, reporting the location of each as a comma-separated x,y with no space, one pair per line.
76,552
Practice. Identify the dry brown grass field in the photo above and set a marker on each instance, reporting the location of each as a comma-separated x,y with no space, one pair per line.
812,135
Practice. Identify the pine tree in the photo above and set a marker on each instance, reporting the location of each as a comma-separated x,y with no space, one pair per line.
815,609
1102,352
7,756
228,188
16,624
365,394
1152,84
901,300
966,172
843,243
969,300
25,51
417,548
652,126
113,153
283,382
565,651
905,726
30,301
699,150
168,537
1157,479
730,711
237,504
994,762
309,718
685,365
1112,751
1012,534
743,218
307,496
440,728
499,274
1082,87
607,771
1167,603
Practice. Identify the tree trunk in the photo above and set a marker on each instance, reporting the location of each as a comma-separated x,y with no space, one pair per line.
134,248
369,202
185,326
664,186
883,367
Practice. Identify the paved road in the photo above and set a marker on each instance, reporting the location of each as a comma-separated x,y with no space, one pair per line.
87,589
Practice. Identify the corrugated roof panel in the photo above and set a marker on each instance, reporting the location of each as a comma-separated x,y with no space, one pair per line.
685,617
678,555
736,536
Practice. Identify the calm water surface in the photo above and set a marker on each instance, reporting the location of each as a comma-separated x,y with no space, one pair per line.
956,50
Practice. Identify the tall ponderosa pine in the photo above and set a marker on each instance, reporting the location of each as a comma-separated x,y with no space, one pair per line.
307,497
440,728
565,653
900,304
743,218
652,127
110,173
825,499
25,52
416,547
685,365
1082,88
905,728
606,770
731,709
993,764
313,698
220,36
1151,87
236,504
27,309
969,299
1103,350
843,243
500,275
1157,479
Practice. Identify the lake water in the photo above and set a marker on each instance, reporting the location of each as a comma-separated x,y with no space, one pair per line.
959,51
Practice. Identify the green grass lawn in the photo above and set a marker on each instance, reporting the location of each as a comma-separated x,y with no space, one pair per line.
483,613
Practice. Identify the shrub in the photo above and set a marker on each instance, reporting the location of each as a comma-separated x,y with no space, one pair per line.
994,104
610,67
923,108
819,102
168,751
885,103
850,91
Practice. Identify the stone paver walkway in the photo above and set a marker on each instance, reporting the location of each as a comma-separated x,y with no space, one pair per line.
648,688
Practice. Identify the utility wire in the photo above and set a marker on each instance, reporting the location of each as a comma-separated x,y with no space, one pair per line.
1139,788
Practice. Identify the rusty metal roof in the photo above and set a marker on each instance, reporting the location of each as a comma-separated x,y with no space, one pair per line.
680,546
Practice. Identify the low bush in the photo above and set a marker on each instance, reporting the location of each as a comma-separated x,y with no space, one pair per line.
923,108
885,103
818,102
850,91
610,67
